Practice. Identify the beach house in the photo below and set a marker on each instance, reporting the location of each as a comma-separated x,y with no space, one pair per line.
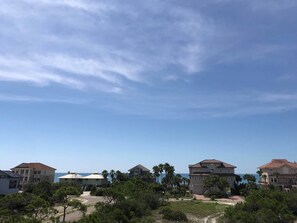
280,173
71,177
93,180
86,182
200,171
9,182
33,173
138,170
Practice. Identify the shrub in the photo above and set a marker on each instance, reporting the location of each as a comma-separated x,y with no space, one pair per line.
97,192
262,205
213,194
173,215
153,201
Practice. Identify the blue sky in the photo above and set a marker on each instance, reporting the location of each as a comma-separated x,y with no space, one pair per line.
87,85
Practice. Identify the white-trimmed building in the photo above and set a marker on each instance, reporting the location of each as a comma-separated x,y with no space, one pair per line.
71,177
94,179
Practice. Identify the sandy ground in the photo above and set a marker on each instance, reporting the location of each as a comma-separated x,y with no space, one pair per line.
90,201
86,199
229,201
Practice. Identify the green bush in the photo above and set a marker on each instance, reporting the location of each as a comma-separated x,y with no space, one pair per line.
173,215
265,206
153,201
213,194
97,192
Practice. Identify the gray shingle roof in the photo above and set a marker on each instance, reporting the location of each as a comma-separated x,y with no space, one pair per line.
214,161
11,174
140,167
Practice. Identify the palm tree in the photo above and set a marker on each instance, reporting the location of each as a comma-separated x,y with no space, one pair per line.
166,167
112,173
188,181
118,175
161,169
156,170
177,179
265,178
184,180
105,175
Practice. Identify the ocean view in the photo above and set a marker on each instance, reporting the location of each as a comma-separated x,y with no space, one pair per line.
148,111
186,175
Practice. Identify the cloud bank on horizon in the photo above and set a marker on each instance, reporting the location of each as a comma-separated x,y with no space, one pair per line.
165,59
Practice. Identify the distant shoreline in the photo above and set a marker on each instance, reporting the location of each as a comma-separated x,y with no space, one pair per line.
186,175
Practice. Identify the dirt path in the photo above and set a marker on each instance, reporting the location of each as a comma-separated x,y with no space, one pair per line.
229,201
86,199
208,219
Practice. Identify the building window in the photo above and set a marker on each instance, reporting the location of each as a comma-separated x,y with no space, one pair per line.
13,184
27,171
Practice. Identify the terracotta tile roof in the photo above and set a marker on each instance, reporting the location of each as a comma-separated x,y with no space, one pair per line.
38,166
277,163
210,161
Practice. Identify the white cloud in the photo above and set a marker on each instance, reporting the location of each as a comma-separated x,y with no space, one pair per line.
278,97
87,5
133,50
21,70
23,98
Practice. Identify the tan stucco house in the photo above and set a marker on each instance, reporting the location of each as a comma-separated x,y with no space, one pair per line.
279,172
200,171
33,173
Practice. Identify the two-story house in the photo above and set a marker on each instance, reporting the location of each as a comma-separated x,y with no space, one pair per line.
138,170
32,173
72,178
86,182
9,182
279,172
200,171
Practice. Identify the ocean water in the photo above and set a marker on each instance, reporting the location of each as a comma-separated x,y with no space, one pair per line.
186,175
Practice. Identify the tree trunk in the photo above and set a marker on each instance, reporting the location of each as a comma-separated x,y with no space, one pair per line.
64,213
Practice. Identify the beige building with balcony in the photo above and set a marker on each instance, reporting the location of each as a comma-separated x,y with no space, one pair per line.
200,171
280,173
33,173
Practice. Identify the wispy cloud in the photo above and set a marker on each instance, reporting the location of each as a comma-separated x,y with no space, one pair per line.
278,97
177,59
108,68
19,70
30,99
87,5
